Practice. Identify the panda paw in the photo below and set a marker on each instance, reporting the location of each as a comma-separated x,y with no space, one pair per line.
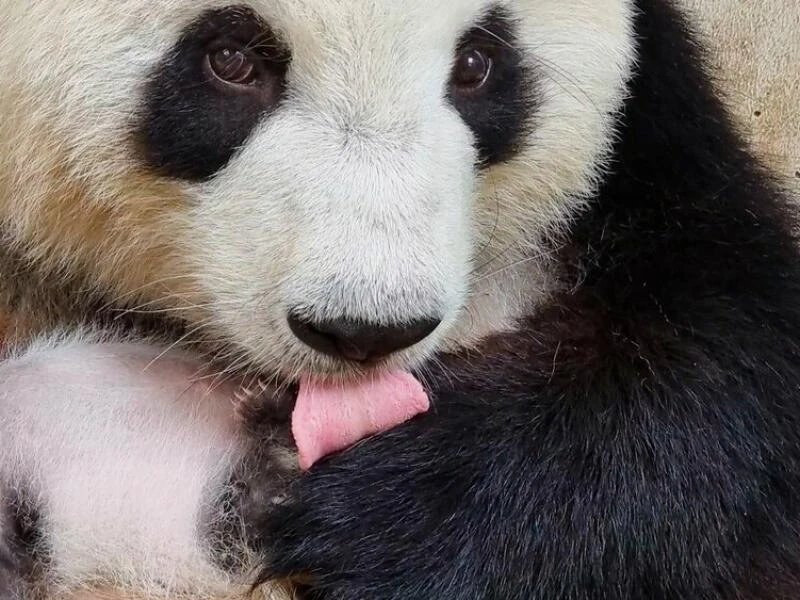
393,518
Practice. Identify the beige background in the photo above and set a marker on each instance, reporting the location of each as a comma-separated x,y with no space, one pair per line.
756,50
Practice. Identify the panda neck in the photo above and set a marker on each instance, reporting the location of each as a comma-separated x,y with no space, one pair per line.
685,210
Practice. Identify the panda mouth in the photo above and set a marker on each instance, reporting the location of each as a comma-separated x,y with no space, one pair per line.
327,417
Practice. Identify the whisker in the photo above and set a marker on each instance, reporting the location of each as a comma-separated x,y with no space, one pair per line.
499,38
131,293
570,80
547,64
175,344
495,225
159,311
523,261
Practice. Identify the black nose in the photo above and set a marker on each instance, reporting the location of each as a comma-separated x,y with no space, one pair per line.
359,341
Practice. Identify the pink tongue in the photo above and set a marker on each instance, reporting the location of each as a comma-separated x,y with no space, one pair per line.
331,417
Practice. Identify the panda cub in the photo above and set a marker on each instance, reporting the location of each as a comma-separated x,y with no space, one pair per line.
536,210
124,471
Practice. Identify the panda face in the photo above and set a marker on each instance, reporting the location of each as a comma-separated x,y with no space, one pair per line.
317,183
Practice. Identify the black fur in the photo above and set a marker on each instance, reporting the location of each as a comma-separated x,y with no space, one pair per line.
257,483
21,545
639,438
500,112
10,581
190,128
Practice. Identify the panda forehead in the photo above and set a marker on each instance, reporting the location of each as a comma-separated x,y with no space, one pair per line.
313,27
376,66
358,67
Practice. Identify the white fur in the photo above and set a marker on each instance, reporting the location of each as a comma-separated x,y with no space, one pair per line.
125,457
357,198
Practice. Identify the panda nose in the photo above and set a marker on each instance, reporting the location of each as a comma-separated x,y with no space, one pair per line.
360,341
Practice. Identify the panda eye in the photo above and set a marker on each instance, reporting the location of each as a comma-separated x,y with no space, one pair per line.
232,66
472,69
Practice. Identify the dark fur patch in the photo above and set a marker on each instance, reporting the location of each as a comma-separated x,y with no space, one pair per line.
190,128
258,484
500,114
637,439
21,546
11,580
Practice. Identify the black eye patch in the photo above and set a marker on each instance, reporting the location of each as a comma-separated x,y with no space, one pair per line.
500,111
191,123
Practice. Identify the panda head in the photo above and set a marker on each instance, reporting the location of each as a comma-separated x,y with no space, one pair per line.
319,184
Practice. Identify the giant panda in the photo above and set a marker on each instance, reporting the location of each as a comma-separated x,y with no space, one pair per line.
539,209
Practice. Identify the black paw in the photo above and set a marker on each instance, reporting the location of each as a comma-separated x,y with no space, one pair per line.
256,488
405,515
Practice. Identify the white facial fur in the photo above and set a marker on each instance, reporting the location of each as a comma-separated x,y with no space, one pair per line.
124,456
358,197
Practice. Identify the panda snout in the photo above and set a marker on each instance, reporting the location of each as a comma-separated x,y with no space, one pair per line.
360,341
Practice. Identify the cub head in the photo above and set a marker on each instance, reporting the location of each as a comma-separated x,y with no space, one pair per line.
320,185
